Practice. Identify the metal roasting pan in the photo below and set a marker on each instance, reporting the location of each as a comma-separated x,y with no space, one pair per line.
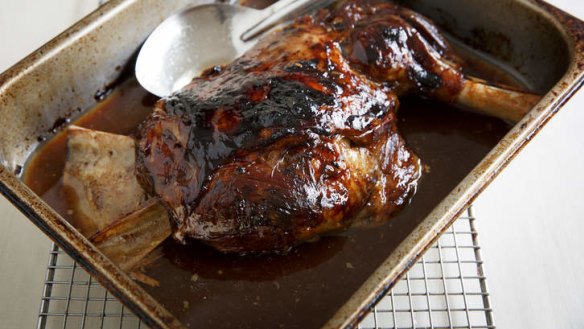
60,79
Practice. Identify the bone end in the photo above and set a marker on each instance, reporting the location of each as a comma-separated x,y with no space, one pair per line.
99,178
507,104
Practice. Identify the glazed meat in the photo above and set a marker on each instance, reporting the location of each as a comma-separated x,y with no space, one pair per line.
298,137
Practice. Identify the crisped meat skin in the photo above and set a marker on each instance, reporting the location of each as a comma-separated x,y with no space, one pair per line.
298,137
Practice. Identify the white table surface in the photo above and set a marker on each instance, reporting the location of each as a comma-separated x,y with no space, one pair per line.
531,218
24,26
531,224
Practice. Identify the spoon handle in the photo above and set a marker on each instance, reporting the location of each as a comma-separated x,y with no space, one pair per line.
280,11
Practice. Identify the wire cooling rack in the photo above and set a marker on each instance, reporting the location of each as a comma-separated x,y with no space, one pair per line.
446,288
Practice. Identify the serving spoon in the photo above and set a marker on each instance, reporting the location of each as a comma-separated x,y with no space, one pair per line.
197,38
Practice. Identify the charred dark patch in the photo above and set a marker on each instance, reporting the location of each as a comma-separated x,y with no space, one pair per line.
424,79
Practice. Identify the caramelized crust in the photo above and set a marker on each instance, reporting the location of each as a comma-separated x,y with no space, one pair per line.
298,137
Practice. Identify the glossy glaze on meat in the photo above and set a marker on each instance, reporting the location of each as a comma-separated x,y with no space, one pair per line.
298,137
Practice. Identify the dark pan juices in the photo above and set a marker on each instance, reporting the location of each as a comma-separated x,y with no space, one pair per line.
303,289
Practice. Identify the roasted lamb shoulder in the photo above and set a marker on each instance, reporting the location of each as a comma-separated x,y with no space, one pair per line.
298,137
294,140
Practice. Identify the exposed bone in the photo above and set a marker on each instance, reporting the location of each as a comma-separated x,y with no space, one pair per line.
108,202
129,239
503,103
100,178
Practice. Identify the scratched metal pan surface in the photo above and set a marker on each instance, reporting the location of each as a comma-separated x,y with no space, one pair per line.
542,43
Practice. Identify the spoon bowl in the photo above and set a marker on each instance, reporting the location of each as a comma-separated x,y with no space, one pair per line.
200,37
191,41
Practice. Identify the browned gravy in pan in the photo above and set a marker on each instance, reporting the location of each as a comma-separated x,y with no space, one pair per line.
303,289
